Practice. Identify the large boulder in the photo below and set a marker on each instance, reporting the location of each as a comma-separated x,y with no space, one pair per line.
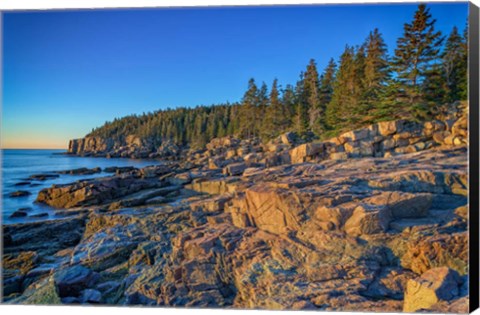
223,143
359,148
435,285
359,134
271,209
368,219
234,169
288,138
375,213
305,151
387,128
71,281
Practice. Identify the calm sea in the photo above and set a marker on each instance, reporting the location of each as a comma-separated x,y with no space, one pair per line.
18,165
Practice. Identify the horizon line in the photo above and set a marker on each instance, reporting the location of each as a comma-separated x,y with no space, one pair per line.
12,148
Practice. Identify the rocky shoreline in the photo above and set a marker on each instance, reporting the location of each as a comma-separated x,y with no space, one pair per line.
381,139
372,220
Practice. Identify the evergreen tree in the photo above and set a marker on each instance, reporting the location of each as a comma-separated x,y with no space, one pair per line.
288,102
463,93
261,108
275,116
327,80
248,113
416,51
301,120
200,137
455,64
390,106
358,88
342,110
376,75
434,87
311,91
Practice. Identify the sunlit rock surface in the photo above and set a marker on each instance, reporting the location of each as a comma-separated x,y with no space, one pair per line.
372,220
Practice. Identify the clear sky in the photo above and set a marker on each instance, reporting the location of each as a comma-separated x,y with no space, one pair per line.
66,72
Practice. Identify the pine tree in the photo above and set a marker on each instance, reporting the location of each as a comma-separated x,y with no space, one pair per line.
434,87
288,102
358,88
454,61
311,90
416,51
390,106
341,111
301,120
275,116
327,80
463,93
248,112
376,75
261,108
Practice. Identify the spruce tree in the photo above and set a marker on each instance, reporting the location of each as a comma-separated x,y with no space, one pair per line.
341,110
327,80
311,91
248,112
275,115
261,108
376,75
417,50
288,102
358,88
454,61
463,93
301,120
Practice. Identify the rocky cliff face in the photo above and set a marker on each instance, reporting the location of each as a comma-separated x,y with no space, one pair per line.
97,146
373,220
377,140
129,146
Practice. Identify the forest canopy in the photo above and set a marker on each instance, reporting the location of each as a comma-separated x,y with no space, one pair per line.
363,86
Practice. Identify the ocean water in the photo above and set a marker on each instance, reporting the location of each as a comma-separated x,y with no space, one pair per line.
18,165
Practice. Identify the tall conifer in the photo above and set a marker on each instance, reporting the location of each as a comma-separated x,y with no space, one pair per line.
417,50
311,90
454,61
275,116
301,120
341,109
327,80
248,112
376,75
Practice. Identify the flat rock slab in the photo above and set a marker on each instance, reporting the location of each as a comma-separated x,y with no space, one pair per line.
402,224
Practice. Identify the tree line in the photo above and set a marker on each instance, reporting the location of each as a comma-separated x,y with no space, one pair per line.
364,86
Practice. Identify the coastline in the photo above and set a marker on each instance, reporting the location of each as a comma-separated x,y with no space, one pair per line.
193,231
33,170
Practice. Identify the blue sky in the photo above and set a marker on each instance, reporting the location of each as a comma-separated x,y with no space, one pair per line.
66,72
